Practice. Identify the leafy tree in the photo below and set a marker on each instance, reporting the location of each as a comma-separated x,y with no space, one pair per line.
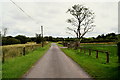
46,38
33,39
13,41
38,38
50,38
9,41
22,38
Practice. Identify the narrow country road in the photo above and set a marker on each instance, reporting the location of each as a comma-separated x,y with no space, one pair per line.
55,64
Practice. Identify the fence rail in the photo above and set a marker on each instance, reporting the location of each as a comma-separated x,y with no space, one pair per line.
10,52
71,45
97,51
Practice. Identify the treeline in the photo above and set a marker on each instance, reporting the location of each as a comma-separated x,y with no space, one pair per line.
110,37
21,39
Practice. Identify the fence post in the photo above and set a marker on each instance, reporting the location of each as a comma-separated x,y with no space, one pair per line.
89,52
118,51
84,50
80,49
24,51
3,57
107,60
32,47
96,53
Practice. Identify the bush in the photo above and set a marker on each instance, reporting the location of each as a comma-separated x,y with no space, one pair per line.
38,38
23,39
13,41
9,41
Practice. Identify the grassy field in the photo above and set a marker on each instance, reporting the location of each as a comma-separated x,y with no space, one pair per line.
11,51
16,67
97,68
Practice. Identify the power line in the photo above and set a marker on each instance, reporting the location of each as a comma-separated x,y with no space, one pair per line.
37,22
29,17
22,10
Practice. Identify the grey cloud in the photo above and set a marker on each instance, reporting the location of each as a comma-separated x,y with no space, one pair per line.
53,17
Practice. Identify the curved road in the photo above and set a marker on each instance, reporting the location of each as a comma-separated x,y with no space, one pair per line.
55,64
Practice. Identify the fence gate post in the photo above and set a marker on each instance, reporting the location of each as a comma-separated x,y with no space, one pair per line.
84,50
24,51
89,52
107,60
96,53
3,57
80,49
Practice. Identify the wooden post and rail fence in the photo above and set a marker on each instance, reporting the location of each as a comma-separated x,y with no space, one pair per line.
97,51
3,54
90,51
23,52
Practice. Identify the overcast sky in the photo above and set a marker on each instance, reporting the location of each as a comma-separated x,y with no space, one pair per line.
53,16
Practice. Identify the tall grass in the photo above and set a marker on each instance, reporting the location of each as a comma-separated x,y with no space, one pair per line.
16,67
11,51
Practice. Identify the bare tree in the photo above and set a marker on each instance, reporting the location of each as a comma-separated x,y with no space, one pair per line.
82,21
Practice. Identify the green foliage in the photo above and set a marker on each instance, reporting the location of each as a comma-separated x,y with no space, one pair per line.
23,39
38,38
9,41
110,37
48,38
20,39
52,39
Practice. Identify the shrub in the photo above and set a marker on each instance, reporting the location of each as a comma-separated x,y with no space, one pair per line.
9,41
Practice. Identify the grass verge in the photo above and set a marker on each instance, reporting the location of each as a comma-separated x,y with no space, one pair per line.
16,67
60,45
97,68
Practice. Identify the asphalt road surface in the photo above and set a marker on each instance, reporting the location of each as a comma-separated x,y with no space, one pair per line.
55,64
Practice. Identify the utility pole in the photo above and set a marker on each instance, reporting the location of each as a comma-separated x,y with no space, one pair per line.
5,31
0,40
0,34
42,35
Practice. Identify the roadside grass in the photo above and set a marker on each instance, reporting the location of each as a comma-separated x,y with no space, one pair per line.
60,45
97,68
15,50
16,67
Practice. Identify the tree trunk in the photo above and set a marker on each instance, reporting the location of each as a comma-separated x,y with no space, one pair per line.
77,44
